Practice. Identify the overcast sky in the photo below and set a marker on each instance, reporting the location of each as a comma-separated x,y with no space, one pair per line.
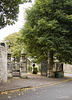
4,32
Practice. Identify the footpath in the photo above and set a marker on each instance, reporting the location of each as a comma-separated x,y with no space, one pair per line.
32,80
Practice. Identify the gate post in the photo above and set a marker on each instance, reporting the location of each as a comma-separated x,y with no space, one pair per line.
3,62
9,63
23,61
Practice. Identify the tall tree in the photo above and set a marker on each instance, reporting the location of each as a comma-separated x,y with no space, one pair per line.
15,45
9,10
48,30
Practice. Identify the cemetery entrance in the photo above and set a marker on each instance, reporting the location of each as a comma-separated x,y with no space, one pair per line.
16,68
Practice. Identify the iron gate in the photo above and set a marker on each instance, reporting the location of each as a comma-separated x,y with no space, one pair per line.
44,68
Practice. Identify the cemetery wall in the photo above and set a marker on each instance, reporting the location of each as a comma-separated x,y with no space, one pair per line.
3,63
68,68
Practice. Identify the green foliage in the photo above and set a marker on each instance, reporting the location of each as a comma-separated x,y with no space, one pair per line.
48,27
30,69
9,10
15,45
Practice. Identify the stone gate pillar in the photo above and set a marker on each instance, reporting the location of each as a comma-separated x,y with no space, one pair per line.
23,61
3,62
9,63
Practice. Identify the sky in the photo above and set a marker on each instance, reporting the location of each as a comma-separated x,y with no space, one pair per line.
4,32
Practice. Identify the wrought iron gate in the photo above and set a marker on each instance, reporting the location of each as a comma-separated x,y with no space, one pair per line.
44,68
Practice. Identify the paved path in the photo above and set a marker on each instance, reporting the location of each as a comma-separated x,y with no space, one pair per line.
31,81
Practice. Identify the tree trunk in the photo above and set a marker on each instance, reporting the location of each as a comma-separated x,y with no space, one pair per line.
50,64
50,60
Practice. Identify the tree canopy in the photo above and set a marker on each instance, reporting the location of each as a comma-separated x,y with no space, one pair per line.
48,27
9,10
15,45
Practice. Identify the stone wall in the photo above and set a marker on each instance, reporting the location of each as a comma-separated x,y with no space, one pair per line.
68,68
3,63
